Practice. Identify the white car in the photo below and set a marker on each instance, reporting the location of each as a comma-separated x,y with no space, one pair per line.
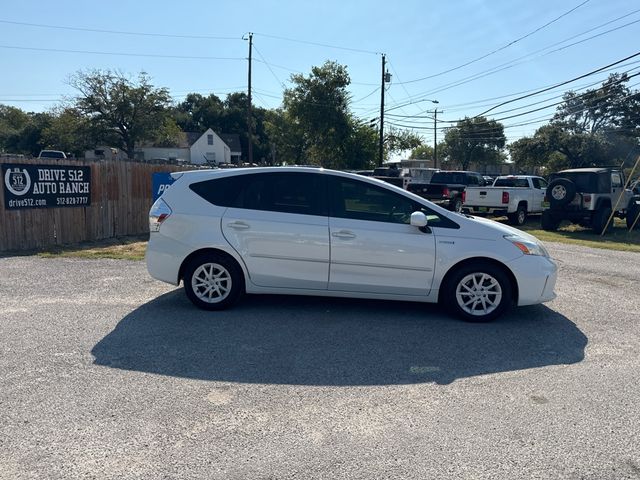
310,231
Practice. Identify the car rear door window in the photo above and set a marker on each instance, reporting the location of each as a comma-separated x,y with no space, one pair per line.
287,192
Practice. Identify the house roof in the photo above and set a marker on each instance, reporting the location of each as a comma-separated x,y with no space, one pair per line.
232,140
191,138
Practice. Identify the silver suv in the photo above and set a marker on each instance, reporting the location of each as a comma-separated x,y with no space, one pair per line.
588,196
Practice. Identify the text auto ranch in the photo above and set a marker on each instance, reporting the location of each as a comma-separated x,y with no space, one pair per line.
56,181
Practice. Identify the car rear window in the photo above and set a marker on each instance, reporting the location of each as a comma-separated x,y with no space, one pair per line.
511,182
449,177
223,192
590,182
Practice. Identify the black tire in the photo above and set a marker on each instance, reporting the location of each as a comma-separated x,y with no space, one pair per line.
561,192
478,292
456,205
213,282
600,218
632,216
519,217
549,222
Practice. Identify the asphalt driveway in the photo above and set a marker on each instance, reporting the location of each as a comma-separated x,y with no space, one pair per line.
106,373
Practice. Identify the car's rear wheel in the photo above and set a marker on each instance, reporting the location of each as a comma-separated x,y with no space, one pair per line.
456,205
549,222
600,219
478,292
633,212
213,282
519,216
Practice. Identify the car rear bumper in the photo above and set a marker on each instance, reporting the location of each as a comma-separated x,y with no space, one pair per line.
164,257
475,210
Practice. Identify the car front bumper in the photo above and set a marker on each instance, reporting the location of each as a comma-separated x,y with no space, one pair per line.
536,276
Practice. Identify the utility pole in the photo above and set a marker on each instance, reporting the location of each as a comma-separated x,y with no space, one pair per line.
435,137
381,141
249,115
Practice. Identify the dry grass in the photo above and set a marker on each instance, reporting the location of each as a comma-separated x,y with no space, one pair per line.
125,248
619,239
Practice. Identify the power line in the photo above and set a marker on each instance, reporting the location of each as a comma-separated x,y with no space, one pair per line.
537,120
520,60
269,67
560,84
325,45
513,42
119,32
479,103
123,54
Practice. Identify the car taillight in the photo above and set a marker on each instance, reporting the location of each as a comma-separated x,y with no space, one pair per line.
587,198
445,192
159,212
464,196
505,197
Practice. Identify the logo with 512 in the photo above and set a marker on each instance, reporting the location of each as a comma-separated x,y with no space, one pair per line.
17,181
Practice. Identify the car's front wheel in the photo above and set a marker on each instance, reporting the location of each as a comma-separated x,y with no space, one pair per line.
213,282
600,220
633,212
478,292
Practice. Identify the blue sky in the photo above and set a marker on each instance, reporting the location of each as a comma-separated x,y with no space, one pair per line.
526,46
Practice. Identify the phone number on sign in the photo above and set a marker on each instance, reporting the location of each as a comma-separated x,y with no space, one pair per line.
72,201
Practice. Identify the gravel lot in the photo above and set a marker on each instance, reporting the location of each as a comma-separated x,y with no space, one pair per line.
106,373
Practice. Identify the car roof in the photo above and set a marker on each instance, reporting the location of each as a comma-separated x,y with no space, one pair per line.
589,170
206,174
518,176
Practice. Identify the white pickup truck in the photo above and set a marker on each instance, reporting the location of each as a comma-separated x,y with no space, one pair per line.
515,196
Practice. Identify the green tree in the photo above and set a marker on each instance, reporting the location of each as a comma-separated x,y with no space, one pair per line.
197,113
422,152
113,103
318,106
476,140
169,134
285,137
398,140
21,132
68,131
12,122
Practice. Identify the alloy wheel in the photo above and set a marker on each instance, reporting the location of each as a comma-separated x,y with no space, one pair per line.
478,294
211,282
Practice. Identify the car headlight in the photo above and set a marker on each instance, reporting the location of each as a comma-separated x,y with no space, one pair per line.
527,246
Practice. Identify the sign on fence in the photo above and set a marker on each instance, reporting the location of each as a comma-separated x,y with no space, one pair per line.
45,186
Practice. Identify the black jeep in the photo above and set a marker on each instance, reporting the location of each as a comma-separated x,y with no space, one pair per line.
589,196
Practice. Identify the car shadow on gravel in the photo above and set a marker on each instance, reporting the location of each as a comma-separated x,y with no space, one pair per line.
321,341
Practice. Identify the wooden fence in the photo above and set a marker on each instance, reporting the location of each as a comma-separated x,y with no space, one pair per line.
120,200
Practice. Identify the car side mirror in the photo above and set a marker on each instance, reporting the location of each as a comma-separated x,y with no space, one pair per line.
418,219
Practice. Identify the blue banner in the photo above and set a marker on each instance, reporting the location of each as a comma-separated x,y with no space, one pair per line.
161,181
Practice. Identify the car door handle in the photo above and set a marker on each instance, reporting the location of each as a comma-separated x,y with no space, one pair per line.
343,234
238,225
